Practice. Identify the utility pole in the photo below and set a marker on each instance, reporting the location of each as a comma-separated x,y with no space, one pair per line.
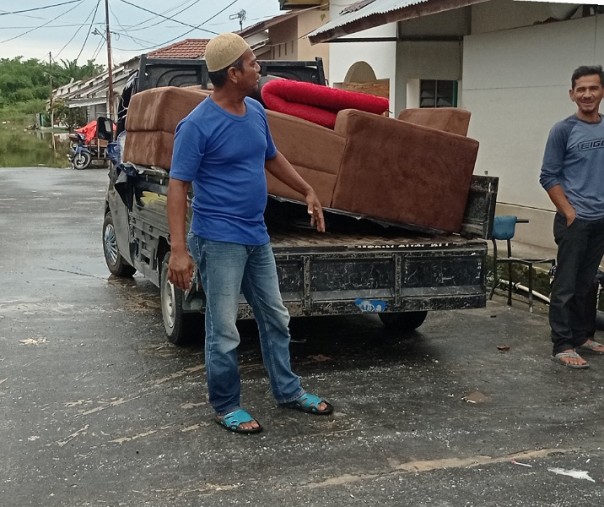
52,114
109,66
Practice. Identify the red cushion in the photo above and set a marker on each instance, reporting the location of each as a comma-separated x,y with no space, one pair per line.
317,103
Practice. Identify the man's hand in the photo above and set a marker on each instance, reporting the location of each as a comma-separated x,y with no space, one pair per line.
284,171
180,270
563,205
315,210
570,216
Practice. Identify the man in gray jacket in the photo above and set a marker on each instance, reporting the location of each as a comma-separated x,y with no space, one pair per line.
573,176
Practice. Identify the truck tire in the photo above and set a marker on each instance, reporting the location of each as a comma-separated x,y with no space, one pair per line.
404,322
181,328
114,260
82,160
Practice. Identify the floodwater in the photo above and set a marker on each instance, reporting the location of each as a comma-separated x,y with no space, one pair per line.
31,148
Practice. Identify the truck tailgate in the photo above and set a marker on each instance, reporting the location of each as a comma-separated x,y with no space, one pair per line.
337,273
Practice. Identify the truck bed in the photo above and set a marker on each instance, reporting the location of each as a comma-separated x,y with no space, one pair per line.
358,265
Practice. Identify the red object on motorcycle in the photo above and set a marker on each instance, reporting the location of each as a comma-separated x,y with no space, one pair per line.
89,131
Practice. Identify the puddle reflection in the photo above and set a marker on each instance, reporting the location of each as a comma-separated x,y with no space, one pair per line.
32,148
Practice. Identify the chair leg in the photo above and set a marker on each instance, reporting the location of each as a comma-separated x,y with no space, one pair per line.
509,274
495,277
530,287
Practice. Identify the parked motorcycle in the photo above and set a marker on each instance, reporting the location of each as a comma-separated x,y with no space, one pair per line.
89,143
79,153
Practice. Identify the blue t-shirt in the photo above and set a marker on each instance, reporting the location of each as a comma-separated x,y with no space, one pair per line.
574,159
223,155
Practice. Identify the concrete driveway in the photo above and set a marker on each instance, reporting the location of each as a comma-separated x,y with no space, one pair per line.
98,409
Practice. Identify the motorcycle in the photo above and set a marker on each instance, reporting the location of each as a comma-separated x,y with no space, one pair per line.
90,142
79,153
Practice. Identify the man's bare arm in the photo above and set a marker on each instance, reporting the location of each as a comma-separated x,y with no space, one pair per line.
180,269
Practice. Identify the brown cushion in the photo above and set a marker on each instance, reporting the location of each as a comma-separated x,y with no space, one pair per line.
162,108
316,153
449,119
400,172
152,148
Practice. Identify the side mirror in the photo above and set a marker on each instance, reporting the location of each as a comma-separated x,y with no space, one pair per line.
105,128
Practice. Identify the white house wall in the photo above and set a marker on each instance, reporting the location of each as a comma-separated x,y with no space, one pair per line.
515,82
380,55
424,60
307,22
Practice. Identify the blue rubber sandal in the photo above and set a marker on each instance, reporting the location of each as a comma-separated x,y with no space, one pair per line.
233,420
309,403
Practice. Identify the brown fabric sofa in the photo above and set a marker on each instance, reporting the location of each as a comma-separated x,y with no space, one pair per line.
383,168
151,122
377,167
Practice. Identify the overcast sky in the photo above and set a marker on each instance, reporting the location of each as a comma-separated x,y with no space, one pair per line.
70,29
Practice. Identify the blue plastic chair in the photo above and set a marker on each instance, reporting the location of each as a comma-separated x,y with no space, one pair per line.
504,229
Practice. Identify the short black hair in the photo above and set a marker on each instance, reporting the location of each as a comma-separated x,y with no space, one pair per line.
219,77
586,70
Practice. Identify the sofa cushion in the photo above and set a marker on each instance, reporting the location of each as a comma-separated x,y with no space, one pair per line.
151,122
162,108
411,174
151,148
315,151
448,119
317,103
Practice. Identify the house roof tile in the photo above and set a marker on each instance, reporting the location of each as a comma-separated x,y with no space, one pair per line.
188,48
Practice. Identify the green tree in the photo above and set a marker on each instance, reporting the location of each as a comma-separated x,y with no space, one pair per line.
71,116
69,69
24,80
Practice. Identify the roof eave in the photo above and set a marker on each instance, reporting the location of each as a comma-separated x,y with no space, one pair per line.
383,18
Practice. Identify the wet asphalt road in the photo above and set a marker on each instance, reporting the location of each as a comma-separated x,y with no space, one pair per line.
98,409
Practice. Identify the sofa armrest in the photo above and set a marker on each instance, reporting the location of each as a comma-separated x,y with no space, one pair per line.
404,173
314,151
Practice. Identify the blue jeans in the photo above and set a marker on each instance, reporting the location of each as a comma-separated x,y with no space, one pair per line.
226,270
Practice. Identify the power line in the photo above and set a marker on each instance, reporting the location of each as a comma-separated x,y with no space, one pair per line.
93,14
198,27
5,13
140,27
98,49
40,26
71,25
183,34
89,30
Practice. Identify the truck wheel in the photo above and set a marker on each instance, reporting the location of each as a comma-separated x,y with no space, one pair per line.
114,260
181,328
81,160
404,321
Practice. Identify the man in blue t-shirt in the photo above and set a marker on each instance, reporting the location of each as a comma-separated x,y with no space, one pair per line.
573,176
223,147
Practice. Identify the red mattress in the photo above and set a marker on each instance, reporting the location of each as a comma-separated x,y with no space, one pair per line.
317,103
